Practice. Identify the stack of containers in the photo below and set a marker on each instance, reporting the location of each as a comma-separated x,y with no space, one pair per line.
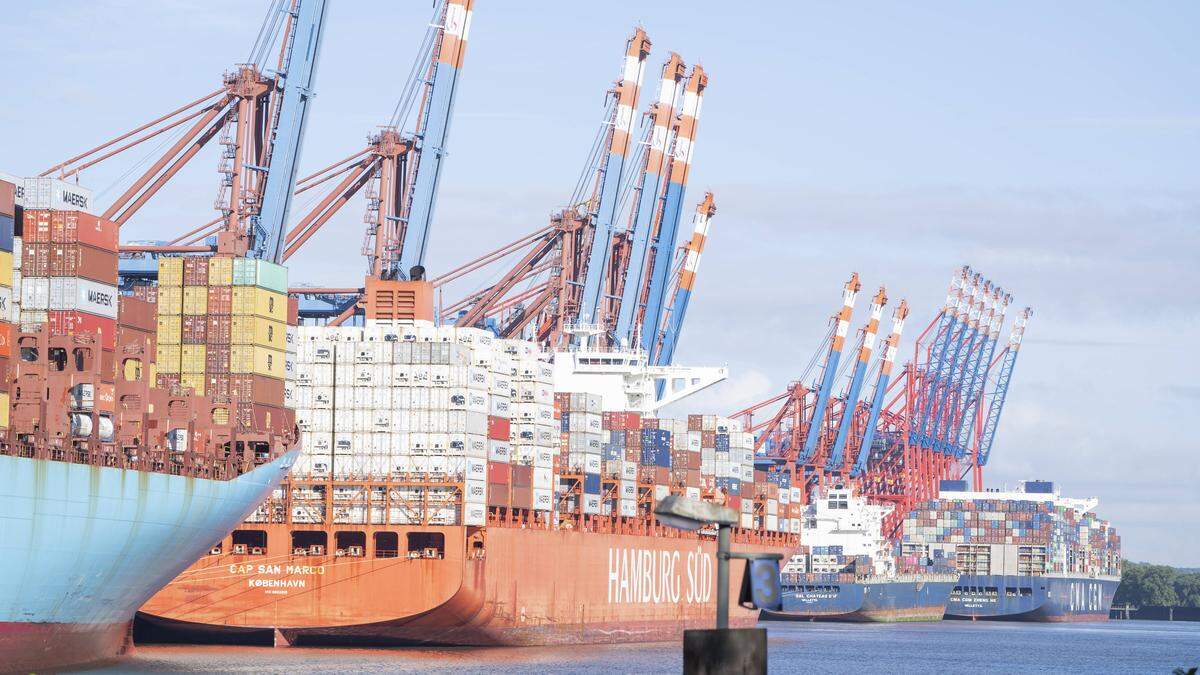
414,402
1031,537
534,429
68,263
581,448
654,471
621,434
8,215
222,331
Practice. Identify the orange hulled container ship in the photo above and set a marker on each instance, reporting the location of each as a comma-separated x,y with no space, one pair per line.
460,489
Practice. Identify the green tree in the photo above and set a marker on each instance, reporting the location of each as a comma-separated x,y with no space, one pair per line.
1159,586
1187,589
1145,584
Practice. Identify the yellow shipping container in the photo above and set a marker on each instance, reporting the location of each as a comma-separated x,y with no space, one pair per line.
6,269
132,370
170,329
191,359
4,410
254,301
256,360
193,380
253,330
170,300
220,271
167,358
195,300
170,273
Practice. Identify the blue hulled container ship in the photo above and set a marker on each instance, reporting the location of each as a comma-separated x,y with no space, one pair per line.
847,571
82,547
1038,598
1024,555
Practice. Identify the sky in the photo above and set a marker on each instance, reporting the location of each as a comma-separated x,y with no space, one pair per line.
1052,146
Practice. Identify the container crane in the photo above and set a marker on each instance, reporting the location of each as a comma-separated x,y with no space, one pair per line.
841,329
663,241
1007,360
946,414
394,174
834,461
665,346
890,347
259,115
624,103
660,118
965,435
544,294
433,130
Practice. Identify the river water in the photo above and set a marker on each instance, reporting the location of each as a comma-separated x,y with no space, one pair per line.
946,647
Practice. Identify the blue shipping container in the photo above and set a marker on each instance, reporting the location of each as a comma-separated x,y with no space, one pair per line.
591,483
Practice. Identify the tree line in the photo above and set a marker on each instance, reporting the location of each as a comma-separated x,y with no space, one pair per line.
1144,584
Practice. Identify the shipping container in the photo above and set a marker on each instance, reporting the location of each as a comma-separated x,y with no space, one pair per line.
251,359
254,301
262,274
253,330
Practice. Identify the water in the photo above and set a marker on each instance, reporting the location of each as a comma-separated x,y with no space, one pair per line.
946,647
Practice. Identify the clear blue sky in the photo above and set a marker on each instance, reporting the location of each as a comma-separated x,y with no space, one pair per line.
1052,145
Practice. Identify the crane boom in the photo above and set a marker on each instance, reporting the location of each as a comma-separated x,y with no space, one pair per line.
842,327
663,244
860,372
434,131
1003,378
287,138
652,169
881,385
625,94
687,281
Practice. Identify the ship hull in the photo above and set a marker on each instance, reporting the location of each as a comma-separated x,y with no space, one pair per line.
520,587
1031,598
81,547
864,602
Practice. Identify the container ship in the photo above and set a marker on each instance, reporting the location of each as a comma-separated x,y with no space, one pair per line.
846,570
116,477
1024,555
451,492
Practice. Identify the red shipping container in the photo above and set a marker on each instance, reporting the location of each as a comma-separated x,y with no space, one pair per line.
81,260
499,473
220,301
522,476
499,428
136,313
106,397
194,330
521,497
195,271
6,339
36,227
218,385
497,494
219,328
130,338
146,292
72,322
35,259
216,360
87,228
293,317
256,388
8,194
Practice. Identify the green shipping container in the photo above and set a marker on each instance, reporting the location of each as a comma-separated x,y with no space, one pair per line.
255,272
